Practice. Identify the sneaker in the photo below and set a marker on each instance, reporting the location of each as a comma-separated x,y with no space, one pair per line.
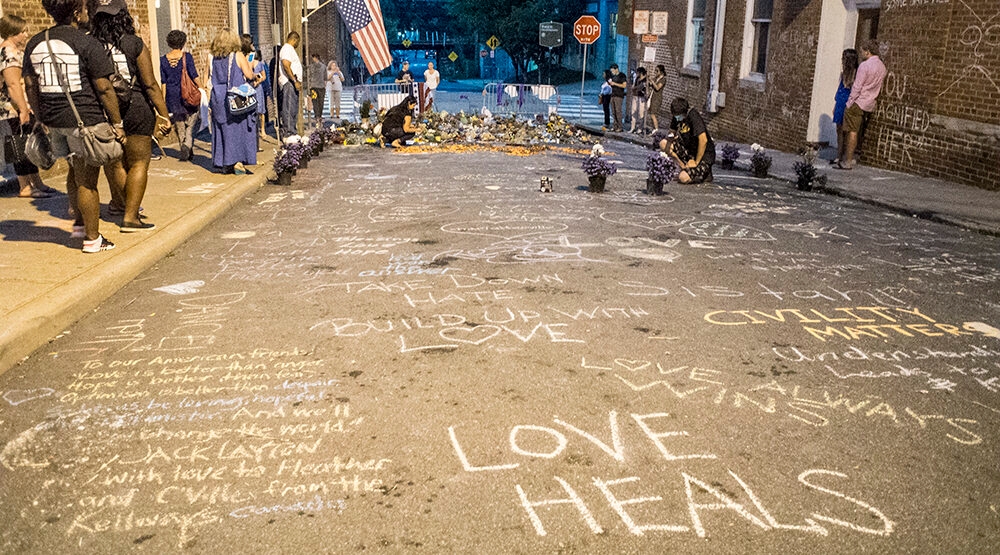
97,245
132,228
78,232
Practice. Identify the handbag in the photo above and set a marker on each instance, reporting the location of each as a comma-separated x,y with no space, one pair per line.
38,148
242,99
13,147
100,145
189,90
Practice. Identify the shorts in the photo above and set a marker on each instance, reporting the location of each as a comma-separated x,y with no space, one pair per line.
139,119
852,118
65,141
699,173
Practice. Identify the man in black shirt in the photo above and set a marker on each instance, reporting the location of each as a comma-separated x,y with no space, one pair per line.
405,79
618,84
694,149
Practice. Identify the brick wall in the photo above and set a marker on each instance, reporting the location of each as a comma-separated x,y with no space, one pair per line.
38,20
202,20
329,38
939,112
773,112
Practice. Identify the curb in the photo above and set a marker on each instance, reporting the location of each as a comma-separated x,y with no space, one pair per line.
35,324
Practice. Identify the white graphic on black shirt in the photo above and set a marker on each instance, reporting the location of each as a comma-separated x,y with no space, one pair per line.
63,59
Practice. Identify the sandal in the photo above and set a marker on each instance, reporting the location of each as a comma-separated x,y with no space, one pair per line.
35,193
842,166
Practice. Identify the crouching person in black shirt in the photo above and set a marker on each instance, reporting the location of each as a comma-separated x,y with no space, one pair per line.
694,149
397,127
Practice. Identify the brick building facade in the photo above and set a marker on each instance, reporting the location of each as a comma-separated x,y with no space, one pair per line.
773,76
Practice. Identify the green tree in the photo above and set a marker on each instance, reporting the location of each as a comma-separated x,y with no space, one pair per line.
515,23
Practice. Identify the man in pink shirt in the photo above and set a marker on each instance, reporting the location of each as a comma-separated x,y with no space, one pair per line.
861,102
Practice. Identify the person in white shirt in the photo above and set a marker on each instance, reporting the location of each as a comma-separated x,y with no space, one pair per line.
432,79
335,86
289,83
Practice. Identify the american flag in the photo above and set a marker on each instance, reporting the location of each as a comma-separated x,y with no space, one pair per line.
364,20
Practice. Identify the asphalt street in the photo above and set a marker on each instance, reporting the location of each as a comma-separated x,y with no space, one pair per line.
421,352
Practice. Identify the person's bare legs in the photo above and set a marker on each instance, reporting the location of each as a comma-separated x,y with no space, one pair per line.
852,143
137,152
114,171
88,199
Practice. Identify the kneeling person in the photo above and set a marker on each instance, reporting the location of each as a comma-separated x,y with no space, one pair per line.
694,149
397,127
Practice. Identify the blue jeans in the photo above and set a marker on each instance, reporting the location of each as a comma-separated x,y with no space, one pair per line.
288,115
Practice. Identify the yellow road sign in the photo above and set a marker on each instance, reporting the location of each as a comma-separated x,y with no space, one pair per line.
493,42
407,43
453,56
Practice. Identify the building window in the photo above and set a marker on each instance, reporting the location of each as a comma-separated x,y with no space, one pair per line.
695,42
755,38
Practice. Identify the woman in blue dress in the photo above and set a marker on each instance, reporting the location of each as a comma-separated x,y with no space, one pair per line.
849,69
234,138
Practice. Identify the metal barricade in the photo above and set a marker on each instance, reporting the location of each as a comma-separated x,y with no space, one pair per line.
385,96
521,99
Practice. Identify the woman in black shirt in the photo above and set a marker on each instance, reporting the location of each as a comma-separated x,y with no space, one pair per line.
397,127
112,24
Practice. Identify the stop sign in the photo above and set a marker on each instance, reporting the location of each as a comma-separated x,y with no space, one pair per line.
587,29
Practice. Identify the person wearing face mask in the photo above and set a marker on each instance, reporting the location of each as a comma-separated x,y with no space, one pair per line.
694,149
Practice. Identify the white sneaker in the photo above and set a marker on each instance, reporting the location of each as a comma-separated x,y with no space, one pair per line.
97,245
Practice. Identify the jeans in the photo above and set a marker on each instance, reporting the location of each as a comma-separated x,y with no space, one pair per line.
186,128
616,110
317,96
288,115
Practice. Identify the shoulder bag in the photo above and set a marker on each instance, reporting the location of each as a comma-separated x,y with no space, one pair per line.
100,145
240,100
189,90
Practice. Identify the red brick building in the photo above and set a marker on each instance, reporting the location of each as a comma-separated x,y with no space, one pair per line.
766,71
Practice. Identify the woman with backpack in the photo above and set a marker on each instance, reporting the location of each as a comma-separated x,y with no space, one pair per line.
140,101
185,113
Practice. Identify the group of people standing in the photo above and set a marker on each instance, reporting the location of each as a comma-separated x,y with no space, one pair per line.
854,102
74,82
91,69
646,95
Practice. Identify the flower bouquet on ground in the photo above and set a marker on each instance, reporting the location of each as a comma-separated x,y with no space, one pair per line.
287,160
760,162
806,173
598,169
662,170
730,153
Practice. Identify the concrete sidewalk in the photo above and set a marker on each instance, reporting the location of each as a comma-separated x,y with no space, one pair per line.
961,205
48,283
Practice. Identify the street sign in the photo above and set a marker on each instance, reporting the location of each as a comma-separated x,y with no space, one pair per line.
453,56
587,29
493,42
483,53
550,34
407,43
649,39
